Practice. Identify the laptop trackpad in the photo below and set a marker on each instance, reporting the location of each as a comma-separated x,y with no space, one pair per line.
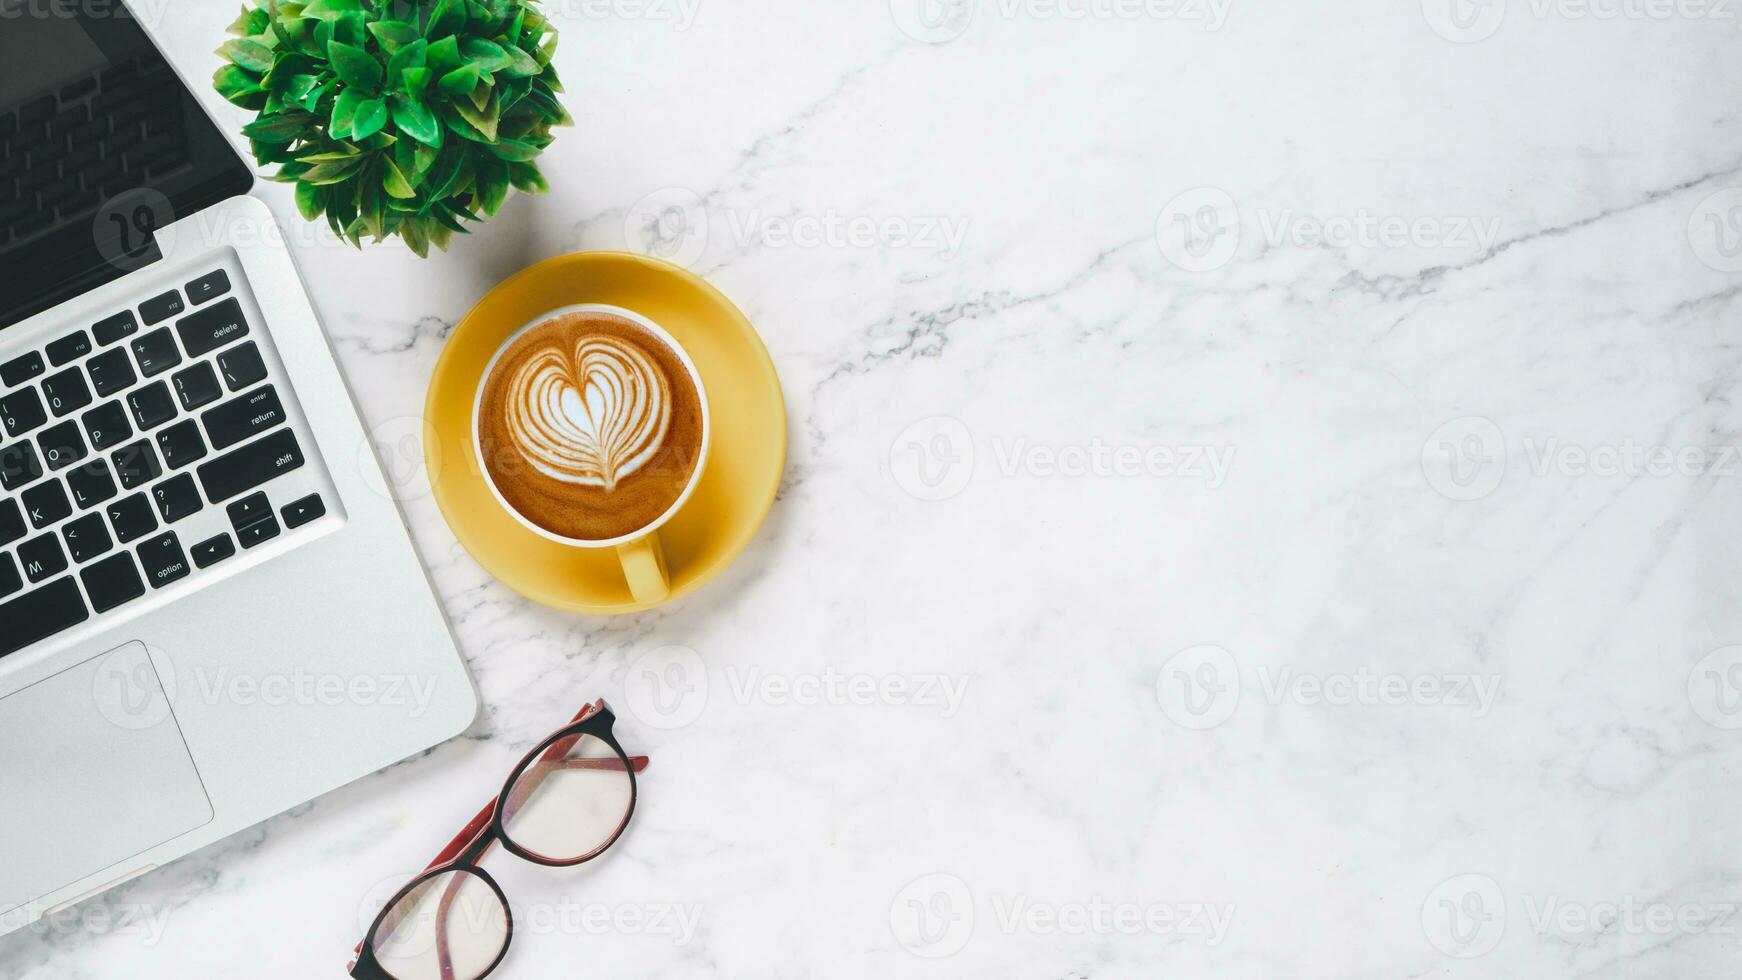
93,771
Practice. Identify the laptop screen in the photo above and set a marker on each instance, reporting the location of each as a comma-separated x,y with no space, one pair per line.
100,143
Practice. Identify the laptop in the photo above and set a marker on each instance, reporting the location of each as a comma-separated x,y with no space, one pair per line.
210,609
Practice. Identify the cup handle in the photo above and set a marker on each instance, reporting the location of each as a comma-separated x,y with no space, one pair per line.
644,568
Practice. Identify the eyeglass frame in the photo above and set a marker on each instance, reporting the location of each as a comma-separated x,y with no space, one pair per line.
468,848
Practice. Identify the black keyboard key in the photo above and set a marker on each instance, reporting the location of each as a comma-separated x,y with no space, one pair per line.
208,287
244,417
181,444
163,560
242,366
21,369
107,426
251,466
66,392
213,550
69,348
91,484
177,498
152,406
197,386
87,538
132,518
114,328
113,582
46,503
10,581
309,508
111,372
38,615
22,411
11,522
18,465
160,308
259,532
212,328
37,111
136,464
254,507
62,445
42,557
156,352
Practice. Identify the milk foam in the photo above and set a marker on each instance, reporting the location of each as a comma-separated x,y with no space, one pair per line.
592,416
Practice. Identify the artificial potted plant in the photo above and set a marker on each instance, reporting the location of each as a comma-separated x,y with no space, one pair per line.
396,117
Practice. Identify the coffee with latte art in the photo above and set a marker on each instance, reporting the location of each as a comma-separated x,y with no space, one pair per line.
590,426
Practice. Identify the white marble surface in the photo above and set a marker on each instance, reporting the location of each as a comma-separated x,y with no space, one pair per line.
1275,684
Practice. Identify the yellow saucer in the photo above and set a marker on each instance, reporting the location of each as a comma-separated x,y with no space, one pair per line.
749,429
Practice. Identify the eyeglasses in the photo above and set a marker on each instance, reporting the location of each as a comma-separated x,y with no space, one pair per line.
567,801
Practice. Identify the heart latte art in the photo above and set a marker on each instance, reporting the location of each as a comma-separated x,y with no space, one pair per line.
590,416
590,425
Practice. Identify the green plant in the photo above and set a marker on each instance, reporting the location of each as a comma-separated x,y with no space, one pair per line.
396,117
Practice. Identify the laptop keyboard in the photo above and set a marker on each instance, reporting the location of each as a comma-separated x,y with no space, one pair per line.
116,435
65,152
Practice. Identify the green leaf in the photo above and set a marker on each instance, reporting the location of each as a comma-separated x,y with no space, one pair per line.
461,81
394,181
412,229
348,29
444,56
237,86
370,118
345,112
335,172
415,120
283,128
331,9
394,34
484,122
250,54
311,200
410,56
492,187
521,64
515,150
527,178
423,157
487,55
354,65
416,81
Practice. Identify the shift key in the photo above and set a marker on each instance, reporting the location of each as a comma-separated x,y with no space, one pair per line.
212,328
243,418
244,469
